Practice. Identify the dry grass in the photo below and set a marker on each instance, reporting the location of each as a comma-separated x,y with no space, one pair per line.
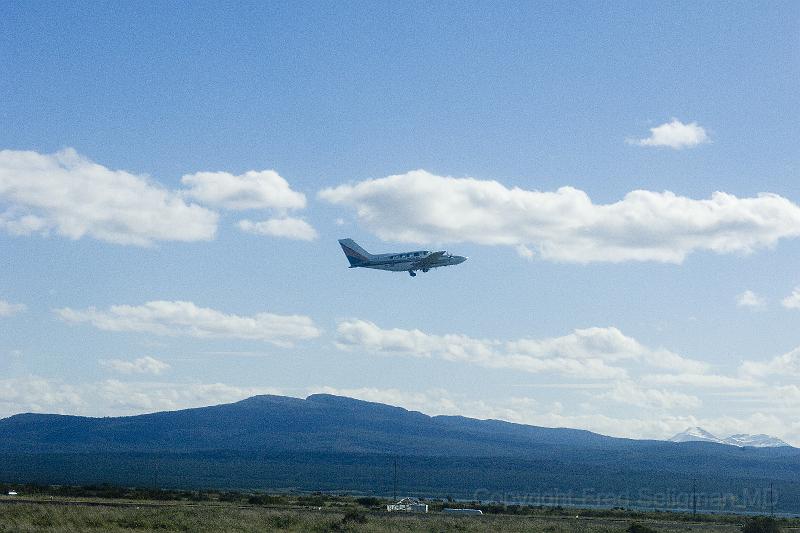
55,517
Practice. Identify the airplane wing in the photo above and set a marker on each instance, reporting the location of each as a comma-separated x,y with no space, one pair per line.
428,261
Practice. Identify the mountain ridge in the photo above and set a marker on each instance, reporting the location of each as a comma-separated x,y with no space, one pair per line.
327,442
264,412
698,434
238,425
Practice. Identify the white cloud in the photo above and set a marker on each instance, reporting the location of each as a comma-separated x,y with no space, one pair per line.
609,344
137,397
674,134
431,401
117,398
629,393
142,365
585,353
34,393
643,425
786,365
793,300
524,252
264,189
438,402
9,309
113,397
750,299
75,197
647,426
565,225
701,381
186,319
287,227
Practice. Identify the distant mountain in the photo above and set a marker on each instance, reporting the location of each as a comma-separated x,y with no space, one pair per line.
320,423
698,434
340,444
757,441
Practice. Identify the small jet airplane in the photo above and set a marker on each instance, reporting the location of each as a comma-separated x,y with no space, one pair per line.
404,261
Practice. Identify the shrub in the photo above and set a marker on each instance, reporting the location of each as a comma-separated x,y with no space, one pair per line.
639,528
315,500
231,496
353,516
368,502
761,524
265,499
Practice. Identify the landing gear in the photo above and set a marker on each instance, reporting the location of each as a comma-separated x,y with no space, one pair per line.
412,273
425,269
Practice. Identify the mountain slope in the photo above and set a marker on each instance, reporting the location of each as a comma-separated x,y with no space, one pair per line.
321,423
698,434
757,441
332,443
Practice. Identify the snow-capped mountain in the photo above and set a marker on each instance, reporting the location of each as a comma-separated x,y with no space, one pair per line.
757,441
698,434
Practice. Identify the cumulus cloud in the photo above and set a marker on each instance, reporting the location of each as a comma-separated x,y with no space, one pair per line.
142,365
113,397
701,381
750,299
609,344
523,410
460,348
629,393
264,189
674,134
565,225
9,309
793,300
585,353
136,397
439,402
524,252
34,393
177,318
287,227
74,197
786,365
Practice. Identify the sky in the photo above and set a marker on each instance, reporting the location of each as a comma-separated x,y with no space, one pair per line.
623,177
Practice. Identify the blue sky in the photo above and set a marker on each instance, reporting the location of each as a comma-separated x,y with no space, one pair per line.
137,137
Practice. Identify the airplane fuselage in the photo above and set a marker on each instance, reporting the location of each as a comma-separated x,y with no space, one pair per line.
404,262
410,262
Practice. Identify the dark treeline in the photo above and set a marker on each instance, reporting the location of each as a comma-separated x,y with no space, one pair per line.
353,504
332,444
535,483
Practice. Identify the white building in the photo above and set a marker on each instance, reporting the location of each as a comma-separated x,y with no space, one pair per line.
408,505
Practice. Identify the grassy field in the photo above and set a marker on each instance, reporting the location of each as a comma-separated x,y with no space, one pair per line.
60,515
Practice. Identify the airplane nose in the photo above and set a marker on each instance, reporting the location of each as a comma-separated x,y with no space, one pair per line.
461,259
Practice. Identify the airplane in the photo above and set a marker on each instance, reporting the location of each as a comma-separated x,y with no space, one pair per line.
399,262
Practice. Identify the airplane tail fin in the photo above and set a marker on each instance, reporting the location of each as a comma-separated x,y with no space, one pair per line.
355,254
